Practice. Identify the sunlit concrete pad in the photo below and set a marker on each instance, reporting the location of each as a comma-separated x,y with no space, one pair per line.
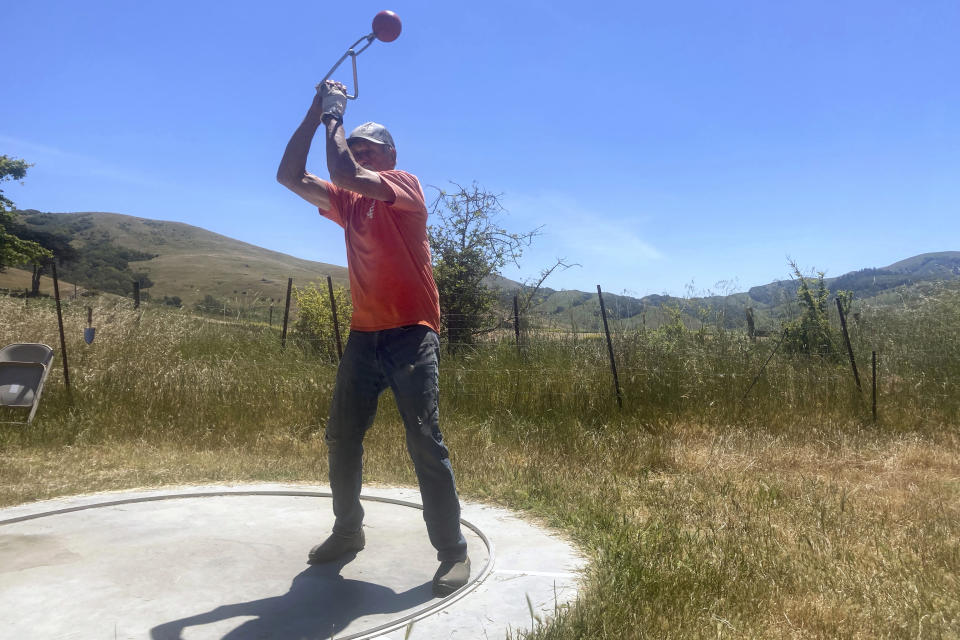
230,562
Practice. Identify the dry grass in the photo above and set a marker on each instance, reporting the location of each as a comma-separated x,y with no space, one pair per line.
693,533
804,522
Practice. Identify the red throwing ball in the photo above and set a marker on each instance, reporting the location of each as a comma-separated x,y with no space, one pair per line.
386,26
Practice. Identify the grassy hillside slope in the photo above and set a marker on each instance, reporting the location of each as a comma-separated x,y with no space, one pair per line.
18,280
191,262
771,303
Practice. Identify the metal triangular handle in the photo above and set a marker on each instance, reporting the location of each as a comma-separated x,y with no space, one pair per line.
353,58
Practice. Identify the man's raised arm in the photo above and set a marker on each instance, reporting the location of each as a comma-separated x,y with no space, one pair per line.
327,108
292,172
346,172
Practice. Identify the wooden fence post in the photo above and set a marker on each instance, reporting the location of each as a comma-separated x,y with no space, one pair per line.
336,323
846,339
136,294
613,362
751,328
874,384
63,340
286,315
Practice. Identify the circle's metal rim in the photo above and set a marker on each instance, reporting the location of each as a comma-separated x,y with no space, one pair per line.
393,625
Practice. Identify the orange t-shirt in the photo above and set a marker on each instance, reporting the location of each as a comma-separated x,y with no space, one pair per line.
388,255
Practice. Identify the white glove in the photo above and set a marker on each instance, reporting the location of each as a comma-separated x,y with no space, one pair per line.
334,99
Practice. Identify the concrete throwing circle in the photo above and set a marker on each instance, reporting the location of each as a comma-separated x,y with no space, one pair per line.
229,562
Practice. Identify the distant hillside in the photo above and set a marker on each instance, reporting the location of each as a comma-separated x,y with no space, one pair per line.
179,259
18,281
770,302
193,264
867,283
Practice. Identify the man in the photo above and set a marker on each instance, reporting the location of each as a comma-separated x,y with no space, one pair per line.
393,334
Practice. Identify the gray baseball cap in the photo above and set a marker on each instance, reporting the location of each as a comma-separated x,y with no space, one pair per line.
373,132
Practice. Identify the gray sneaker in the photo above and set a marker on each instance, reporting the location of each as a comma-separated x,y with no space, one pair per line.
336,546
450,576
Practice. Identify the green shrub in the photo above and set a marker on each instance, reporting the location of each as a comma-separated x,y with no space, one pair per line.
314,326
812,333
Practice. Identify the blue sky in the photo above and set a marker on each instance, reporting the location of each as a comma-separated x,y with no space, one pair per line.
663,146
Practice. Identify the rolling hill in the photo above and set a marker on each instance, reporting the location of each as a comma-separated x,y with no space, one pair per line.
192,264
770,302
180,260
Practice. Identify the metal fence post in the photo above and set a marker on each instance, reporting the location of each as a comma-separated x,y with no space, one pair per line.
63,340
286,315
336,323
613,362
516,322
756,378
846,339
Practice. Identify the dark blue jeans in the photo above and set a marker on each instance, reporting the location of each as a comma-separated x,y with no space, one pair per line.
406,361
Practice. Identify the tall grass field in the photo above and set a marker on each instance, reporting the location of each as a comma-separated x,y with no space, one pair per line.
743,489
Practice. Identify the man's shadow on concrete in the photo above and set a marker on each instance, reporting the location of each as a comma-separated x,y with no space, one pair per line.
319,604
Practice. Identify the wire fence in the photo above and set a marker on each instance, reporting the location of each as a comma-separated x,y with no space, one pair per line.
534,365
903,364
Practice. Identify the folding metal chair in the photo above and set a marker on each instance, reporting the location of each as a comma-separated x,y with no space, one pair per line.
23,370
